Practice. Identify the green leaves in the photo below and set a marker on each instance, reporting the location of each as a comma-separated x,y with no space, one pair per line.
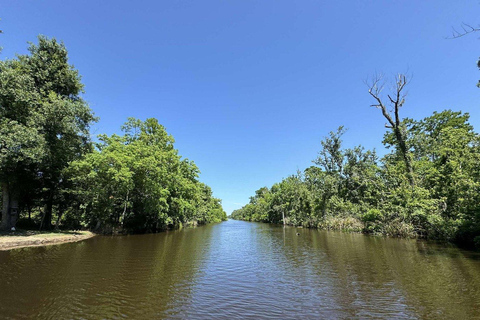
136,181
44,122
139,182
20,145
352,187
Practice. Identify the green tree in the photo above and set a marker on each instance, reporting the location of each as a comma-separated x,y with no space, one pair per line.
139,183
65,116
21,140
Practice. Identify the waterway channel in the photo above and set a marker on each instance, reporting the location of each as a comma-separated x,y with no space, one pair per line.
241,270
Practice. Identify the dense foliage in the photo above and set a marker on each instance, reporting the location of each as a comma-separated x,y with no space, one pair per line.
139,182
52,172
352,189
44,125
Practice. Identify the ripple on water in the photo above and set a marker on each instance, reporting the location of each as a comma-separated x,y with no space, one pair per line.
240,270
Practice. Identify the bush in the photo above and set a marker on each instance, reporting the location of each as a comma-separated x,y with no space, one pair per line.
345,223
372,215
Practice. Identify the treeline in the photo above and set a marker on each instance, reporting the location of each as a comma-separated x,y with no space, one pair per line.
428,185
53,175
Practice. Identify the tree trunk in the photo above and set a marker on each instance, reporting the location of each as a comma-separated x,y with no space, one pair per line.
324,204
14,210
60,214
406,158
10,207
125,210
6,207
97,227
47,220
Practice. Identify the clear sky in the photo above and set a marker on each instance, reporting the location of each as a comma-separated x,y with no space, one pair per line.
249,88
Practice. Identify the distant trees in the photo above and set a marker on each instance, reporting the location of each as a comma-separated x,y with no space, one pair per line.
50,168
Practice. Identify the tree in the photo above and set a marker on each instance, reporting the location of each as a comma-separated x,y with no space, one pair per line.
446,150
331,157
139,183
45,124
66,117
21,143
396,101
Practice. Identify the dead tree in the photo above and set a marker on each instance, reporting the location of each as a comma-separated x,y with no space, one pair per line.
396,101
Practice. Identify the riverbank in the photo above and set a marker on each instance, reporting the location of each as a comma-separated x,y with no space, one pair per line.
23,239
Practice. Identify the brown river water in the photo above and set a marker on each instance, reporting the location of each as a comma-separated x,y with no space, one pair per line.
241,270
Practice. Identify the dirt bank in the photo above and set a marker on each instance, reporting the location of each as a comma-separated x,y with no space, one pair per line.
22,239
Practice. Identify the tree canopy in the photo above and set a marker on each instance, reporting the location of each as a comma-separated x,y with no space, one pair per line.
50,167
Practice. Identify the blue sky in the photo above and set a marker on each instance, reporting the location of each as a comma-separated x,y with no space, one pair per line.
249,88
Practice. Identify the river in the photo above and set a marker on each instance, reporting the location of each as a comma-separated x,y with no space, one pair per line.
240,270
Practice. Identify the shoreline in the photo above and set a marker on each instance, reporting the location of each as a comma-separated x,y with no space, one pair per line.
26,239
417,237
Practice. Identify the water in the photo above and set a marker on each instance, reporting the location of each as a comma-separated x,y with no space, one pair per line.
244,270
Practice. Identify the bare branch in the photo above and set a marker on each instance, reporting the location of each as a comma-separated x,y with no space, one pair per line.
399,100
466,29
390,98
375,91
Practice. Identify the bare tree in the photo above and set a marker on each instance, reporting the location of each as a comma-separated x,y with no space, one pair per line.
395,101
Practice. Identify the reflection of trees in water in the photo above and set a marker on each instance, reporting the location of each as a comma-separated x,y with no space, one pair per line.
140,276
414,277
363,276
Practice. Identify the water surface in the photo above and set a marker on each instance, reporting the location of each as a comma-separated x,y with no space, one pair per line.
244,270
